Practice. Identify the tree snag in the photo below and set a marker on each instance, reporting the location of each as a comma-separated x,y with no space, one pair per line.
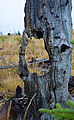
50,20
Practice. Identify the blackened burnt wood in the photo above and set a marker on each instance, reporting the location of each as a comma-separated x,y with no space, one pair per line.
50,20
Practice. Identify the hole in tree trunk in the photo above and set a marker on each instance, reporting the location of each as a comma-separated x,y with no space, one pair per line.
36,57
64,48
64,72
39,34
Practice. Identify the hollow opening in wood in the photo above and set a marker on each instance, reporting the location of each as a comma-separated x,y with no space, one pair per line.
37,58
64,48
39,34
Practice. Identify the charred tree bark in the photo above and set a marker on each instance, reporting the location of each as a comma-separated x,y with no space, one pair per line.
50,20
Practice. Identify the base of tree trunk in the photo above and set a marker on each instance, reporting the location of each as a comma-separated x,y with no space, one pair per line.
22,100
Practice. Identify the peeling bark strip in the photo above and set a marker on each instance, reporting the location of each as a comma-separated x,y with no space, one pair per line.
50,20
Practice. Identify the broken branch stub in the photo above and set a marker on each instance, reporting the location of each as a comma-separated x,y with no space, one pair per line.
50,20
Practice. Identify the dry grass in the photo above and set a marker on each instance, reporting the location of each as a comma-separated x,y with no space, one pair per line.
73,34
72,70
36,49
9,81
10,54
10,48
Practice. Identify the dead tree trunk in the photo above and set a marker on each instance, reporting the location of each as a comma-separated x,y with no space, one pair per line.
50,20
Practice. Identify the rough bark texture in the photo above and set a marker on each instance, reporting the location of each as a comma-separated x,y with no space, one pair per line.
50,20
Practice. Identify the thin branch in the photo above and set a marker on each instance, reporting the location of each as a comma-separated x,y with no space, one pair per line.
29,105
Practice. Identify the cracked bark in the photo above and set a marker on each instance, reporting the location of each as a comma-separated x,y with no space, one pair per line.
50,20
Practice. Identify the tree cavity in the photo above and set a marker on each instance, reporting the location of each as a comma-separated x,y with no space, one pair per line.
36,56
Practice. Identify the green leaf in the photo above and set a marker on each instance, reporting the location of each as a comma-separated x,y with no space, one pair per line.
70,103
72,42
58,106
45,110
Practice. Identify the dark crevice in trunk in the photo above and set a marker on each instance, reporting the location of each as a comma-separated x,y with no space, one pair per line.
64,48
